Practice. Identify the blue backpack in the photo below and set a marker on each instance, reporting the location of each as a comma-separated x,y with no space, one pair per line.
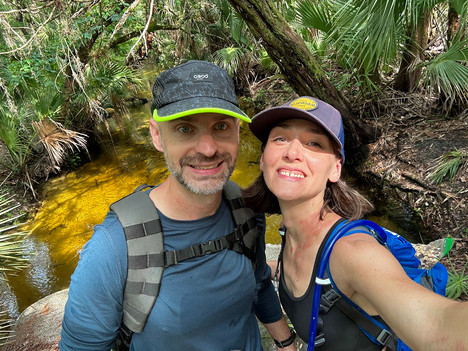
434,279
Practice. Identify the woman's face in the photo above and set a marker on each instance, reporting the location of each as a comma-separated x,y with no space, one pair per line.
298,161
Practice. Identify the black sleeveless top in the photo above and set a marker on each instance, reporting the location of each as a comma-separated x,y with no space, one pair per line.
340,332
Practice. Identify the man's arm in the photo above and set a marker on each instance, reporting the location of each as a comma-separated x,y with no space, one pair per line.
93,312
280,331
266,303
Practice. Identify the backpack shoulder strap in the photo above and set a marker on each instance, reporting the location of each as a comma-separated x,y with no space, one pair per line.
142,227
376,331
244,237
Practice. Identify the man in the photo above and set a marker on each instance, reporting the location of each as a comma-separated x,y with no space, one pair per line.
206,302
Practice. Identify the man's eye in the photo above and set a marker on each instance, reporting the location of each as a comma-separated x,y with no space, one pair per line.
221,126
184,129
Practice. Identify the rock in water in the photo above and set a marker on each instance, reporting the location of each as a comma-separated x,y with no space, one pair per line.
38,327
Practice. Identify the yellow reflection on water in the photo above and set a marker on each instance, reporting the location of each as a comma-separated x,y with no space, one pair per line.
73,203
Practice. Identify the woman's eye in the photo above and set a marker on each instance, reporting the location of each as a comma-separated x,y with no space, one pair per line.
279,139
184,129
313,144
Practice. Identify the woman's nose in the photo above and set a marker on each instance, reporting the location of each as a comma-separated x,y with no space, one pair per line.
294,151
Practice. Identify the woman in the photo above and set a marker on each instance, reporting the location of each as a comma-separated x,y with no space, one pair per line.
301,164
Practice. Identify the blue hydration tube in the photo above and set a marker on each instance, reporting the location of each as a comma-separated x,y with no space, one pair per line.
319,281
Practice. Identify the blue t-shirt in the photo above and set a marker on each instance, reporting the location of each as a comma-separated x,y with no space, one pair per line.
205,303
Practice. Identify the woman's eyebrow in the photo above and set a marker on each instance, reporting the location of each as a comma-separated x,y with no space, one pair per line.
313,128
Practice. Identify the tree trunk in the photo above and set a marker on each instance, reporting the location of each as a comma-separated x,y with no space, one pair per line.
452,23
302,71
408,76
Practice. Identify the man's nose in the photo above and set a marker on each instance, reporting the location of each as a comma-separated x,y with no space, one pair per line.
206,145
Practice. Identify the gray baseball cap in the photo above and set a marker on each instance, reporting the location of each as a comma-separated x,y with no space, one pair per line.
304,107
194,87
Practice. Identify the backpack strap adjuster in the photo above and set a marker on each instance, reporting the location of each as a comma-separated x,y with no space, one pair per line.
384,337
170,258
331,296
328,299
208,247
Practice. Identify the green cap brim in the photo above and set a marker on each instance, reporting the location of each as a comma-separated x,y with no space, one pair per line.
198,111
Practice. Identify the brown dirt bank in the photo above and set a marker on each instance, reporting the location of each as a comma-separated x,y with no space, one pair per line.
414,138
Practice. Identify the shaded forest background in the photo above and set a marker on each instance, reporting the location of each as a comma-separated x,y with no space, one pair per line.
396,69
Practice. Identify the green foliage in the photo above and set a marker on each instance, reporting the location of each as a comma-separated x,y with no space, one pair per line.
369,39
448,72
11,251
317,15
267,63
104,78
49,70
229,58
447,165
457,283
16,136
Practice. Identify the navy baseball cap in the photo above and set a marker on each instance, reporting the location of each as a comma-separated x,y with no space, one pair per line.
194,87
304,107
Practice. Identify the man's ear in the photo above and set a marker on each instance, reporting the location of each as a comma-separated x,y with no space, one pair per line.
156,135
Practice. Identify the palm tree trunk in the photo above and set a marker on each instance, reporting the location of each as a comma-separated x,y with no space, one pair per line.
408,76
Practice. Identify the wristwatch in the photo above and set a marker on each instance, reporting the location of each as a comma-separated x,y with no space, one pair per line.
288,341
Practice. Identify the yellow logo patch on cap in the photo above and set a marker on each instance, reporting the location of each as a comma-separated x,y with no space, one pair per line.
304,103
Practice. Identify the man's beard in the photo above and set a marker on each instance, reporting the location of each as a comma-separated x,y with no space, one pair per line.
202,185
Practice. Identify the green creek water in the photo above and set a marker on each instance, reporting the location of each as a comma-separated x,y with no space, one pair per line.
73,203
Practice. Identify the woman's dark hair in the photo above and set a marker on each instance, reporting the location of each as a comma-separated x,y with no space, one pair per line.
339,197
259,198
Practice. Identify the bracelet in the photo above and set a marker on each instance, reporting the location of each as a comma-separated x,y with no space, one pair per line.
288,341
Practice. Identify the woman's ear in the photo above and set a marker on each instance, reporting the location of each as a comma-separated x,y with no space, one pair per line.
336,173
156,135
261,163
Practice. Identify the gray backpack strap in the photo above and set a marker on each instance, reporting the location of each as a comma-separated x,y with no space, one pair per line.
143,232
246,231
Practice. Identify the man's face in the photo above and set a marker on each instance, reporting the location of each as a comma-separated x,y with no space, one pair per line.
200,150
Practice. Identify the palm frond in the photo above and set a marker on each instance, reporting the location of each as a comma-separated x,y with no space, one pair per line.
457,283
13,133
448,71
368,32
315,14
461,6
104,82
447,165
11,248
229,58
11,252
57,140
5,327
